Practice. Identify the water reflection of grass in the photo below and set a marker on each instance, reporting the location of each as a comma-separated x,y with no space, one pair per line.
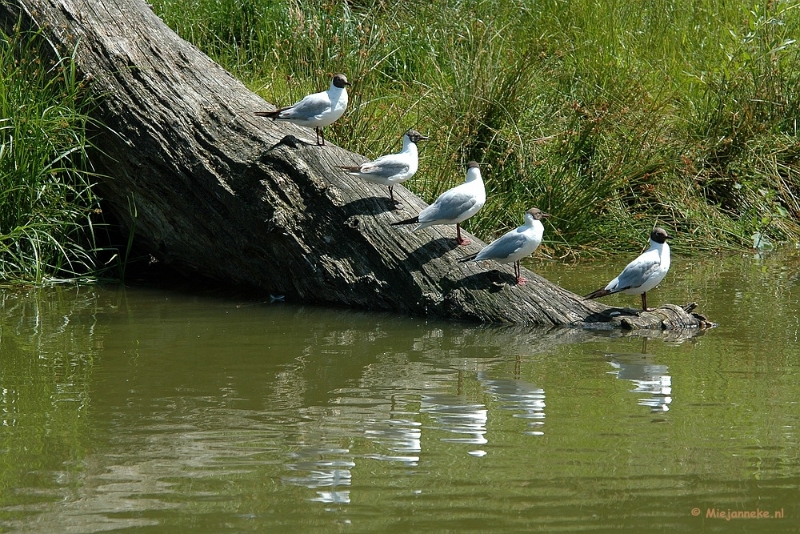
47,350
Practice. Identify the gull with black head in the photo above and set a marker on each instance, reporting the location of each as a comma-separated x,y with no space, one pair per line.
316,110
455,205
642,274
392,169
516,244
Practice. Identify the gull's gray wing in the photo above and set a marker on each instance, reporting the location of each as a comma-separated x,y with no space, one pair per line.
310,106
504,246
637,272
385,167
448,207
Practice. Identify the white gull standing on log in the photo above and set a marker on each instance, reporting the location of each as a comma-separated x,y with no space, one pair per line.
392,169
516,244
455,205
317,110
642,274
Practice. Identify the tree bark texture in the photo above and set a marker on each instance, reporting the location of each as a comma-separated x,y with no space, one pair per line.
221,193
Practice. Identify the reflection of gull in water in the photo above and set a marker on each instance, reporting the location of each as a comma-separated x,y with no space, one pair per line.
517,395
649,377
321,473
401,436
455,415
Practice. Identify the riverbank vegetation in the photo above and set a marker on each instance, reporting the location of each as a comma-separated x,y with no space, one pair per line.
612,116
46,196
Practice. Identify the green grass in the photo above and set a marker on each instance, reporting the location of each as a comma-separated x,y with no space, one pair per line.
612,116
46,232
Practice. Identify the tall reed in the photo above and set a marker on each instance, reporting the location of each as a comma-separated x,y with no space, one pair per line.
46,196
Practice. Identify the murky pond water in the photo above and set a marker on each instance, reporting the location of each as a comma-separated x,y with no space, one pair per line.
161,411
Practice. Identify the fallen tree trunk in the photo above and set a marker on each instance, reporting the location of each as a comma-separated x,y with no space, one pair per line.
223,194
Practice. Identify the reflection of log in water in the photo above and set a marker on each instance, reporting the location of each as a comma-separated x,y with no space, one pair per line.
219,193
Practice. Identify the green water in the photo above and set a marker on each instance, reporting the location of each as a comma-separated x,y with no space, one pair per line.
151,410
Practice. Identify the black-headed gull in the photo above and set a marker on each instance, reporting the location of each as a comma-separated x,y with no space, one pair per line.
516,244
455,205
392,169
642,274
317,110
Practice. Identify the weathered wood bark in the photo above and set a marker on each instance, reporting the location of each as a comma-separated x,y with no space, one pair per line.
221,193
